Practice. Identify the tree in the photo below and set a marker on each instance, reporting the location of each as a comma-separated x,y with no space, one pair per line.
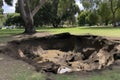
118,15
88,17
50,14
14,19
44,15
104,12
70,13
2,18
90,4
1,4
92,18
114,6
60,11
82,18
28,11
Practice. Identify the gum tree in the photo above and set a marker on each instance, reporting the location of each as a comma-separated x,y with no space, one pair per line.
114,6
28,9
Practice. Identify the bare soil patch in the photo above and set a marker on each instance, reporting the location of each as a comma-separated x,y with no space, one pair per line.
63,53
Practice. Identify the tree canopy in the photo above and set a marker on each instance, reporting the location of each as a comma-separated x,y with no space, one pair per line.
56,12
29,8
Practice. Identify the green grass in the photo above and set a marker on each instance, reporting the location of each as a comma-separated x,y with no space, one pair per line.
10,32
6,34
107,75
102,75
28,76
102,31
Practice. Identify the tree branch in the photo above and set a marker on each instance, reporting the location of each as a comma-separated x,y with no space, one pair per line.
28,11
22,9
36,9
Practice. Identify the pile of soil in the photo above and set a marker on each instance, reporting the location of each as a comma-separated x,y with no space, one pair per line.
64,52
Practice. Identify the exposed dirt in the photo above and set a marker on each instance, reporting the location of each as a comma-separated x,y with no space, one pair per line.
26,36
63,53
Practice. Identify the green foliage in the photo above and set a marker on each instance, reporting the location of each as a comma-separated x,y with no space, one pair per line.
33,3
1,3
82,18
63,6
1,11
14,19
118,15
2,17
62,11
44,15
92,18
48,14
17,8
104,12
114,6
90,4
56,12
86,4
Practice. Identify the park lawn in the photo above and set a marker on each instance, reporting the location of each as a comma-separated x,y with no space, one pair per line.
101,31
101,75
6,34
10,32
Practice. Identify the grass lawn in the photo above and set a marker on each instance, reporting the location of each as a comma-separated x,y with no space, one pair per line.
102,31
114,74
5,34
101,75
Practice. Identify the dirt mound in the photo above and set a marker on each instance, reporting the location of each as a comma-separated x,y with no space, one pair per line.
63,53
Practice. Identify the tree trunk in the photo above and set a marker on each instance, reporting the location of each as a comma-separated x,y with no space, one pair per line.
56,22
29,28
114,20
55,25
28,15
106,22
29,23
113,10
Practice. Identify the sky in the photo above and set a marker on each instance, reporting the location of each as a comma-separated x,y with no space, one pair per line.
79,4
11,9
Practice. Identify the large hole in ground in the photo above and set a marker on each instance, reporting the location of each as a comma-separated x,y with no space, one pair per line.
64,52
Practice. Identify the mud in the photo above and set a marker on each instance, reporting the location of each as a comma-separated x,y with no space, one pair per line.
64,52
